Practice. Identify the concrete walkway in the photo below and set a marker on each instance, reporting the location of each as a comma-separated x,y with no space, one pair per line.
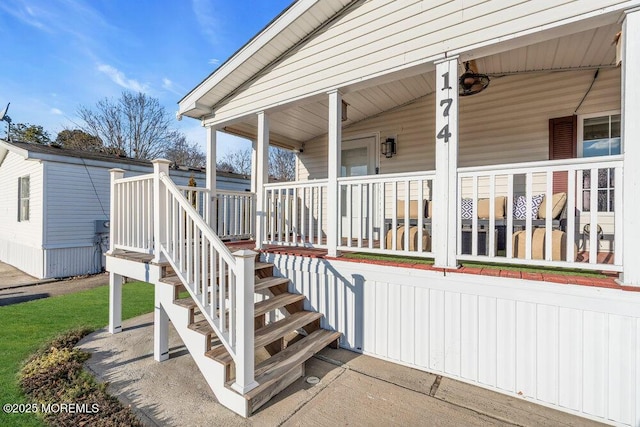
353,390
17,286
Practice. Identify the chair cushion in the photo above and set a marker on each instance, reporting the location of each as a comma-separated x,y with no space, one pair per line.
538,247
483,208
520,206
558,201
466,208
413,239
413,209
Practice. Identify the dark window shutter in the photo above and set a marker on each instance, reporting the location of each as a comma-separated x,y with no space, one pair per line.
563,138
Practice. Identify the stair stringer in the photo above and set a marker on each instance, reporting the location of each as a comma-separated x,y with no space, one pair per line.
213,372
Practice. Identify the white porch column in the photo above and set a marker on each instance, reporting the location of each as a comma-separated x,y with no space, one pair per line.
211,177
333,164
160,329
159,209
630,147
262,177
115,302
254,165
445,195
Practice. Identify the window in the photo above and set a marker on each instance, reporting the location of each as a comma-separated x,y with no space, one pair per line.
600,137
23,198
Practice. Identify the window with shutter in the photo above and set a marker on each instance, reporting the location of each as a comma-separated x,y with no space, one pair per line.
562,145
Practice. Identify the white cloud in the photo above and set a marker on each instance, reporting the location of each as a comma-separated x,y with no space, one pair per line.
166,83
56,111
214,61
206,17
119,78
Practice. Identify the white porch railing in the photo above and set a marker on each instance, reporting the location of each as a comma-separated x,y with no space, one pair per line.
222,286
592,216
386,213
235,214
296,213
197,196
235,211
132,213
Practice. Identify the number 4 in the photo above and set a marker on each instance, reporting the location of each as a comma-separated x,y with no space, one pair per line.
444,133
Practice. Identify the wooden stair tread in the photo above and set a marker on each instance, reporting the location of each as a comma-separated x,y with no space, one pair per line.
220,354
171,280
279,329
278,372
261,265
187,302
298,352
202,327
276,302
267,334
269,282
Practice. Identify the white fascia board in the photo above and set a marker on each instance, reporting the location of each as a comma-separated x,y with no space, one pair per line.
10,147
246,52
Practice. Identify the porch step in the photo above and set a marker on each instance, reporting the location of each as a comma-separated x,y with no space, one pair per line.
277,302
268,334
187,303
264,269
276,330
270,282
283,368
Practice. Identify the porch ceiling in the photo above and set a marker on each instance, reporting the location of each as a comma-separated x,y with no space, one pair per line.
307,120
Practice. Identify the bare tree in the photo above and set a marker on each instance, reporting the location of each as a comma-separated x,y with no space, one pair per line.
183,153
135,124
282,164
236,161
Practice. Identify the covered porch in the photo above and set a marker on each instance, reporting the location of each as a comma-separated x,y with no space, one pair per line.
530,171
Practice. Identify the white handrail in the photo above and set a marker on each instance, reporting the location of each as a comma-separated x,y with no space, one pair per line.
220,283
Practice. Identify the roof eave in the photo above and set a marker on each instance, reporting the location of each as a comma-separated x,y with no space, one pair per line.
260,40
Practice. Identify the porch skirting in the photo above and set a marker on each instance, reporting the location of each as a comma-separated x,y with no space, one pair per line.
573,348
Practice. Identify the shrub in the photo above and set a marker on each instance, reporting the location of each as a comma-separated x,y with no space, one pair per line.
55,375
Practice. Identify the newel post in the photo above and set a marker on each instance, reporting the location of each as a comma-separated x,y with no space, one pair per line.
116,174
160,166
245,283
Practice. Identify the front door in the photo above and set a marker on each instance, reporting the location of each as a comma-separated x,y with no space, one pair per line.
358,159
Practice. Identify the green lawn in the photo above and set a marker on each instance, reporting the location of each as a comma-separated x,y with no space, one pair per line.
27,326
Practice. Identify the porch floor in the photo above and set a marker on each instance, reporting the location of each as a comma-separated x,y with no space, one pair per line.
495,271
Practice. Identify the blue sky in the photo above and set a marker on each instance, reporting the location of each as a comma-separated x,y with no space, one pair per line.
60,54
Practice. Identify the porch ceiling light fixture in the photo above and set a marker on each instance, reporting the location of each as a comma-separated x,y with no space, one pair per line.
472,82
388,147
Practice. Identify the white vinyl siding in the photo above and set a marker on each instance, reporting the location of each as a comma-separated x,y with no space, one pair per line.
573,348
507,123
379,37
21,241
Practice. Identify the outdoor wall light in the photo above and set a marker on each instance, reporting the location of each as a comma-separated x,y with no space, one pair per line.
389,147
344,111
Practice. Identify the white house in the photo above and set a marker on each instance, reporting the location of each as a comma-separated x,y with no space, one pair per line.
499,132
54,203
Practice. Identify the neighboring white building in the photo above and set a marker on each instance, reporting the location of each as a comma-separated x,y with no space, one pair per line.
51,198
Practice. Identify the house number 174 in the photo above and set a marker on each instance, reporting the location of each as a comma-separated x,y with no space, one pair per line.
446,103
